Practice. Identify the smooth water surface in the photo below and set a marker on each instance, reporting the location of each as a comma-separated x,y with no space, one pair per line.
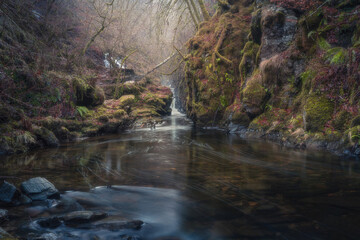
191,184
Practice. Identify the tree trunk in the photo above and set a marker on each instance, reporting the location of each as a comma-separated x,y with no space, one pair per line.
204,10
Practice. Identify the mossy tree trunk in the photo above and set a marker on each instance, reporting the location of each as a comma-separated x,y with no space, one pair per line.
204,11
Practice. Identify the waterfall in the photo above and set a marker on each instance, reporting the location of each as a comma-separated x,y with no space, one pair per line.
174,111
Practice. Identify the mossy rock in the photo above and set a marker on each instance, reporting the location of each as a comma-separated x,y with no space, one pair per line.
354,134
240,118
128,89
248,62
63,134
86,94
318,111
144,112
127,100
46,136
254,97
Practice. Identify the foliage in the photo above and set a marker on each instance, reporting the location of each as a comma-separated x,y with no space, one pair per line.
82,111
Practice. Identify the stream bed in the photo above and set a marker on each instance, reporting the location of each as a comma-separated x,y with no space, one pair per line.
185,183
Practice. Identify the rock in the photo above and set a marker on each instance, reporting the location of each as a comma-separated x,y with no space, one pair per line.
46,136
52,222
24,200
115,226
39,189
4,235
48,236
81,217
8,193
3,215
278,30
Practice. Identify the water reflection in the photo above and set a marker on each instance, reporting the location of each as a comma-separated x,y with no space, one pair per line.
193,184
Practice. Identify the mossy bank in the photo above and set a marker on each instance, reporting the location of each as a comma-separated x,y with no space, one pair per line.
289,74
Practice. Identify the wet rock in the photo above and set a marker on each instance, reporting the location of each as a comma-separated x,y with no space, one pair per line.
81,217
47,236
127,237
8,193
5,235
115,226
3,215
39,189
24,200
52,222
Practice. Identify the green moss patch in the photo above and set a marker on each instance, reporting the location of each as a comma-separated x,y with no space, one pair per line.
318,111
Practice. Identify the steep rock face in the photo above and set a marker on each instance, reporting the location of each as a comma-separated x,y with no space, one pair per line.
278,27
278,69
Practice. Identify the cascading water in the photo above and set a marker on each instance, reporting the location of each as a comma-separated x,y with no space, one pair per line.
174,110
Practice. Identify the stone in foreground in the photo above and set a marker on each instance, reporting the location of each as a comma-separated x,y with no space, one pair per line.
8,192
39,189
81,217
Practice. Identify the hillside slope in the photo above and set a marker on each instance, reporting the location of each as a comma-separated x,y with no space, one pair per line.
49,91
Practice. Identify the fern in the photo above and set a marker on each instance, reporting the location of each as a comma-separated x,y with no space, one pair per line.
223,101
82,110
336,55
25,138
323,44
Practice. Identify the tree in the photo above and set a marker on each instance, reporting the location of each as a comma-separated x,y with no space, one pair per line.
104,10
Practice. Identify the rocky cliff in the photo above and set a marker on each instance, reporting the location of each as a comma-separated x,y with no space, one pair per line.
279,69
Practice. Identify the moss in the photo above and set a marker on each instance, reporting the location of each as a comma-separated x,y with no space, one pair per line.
46,136
341,120
240,118
119,113
318,111
145,112
248,61
354,135
86,94
254,96
127,100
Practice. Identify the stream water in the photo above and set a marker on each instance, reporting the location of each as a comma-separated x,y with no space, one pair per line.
185,183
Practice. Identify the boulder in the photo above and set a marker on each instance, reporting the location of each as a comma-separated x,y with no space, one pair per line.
46,136
39,189
8,193
81,217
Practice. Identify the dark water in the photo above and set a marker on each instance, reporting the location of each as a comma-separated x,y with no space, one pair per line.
190,184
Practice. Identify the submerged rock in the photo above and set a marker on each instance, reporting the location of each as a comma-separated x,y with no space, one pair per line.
115,226
47,236
39,189
3,215
52,222
81,217
8,193
5,235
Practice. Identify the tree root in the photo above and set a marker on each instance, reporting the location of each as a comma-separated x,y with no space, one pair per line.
217,47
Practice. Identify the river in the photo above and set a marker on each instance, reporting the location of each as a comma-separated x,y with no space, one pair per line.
186,183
